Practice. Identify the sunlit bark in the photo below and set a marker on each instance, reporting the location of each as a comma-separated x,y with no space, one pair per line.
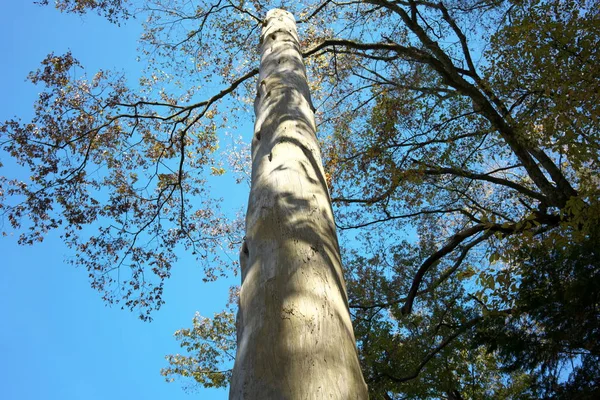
295,338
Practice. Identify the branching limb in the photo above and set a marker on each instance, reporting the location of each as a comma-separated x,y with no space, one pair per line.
465,327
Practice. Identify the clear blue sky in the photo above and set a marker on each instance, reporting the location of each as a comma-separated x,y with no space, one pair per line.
57,339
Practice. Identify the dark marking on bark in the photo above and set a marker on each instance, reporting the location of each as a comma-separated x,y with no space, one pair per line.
271,156
245,248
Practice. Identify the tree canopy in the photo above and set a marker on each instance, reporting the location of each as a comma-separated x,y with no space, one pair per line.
461,145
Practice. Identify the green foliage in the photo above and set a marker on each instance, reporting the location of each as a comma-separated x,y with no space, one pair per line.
555,322
211,345
427,354
547,60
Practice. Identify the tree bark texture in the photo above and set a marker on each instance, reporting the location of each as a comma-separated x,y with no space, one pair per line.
294,333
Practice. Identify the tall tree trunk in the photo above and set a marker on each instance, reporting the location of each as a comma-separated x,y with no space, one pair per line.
295,338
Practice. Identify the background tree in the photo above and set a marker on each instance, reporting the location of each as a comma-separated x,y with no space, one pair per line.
460,141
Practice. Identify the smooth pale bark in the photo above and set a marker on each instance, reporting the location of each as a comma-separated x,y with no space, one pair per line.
295,338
